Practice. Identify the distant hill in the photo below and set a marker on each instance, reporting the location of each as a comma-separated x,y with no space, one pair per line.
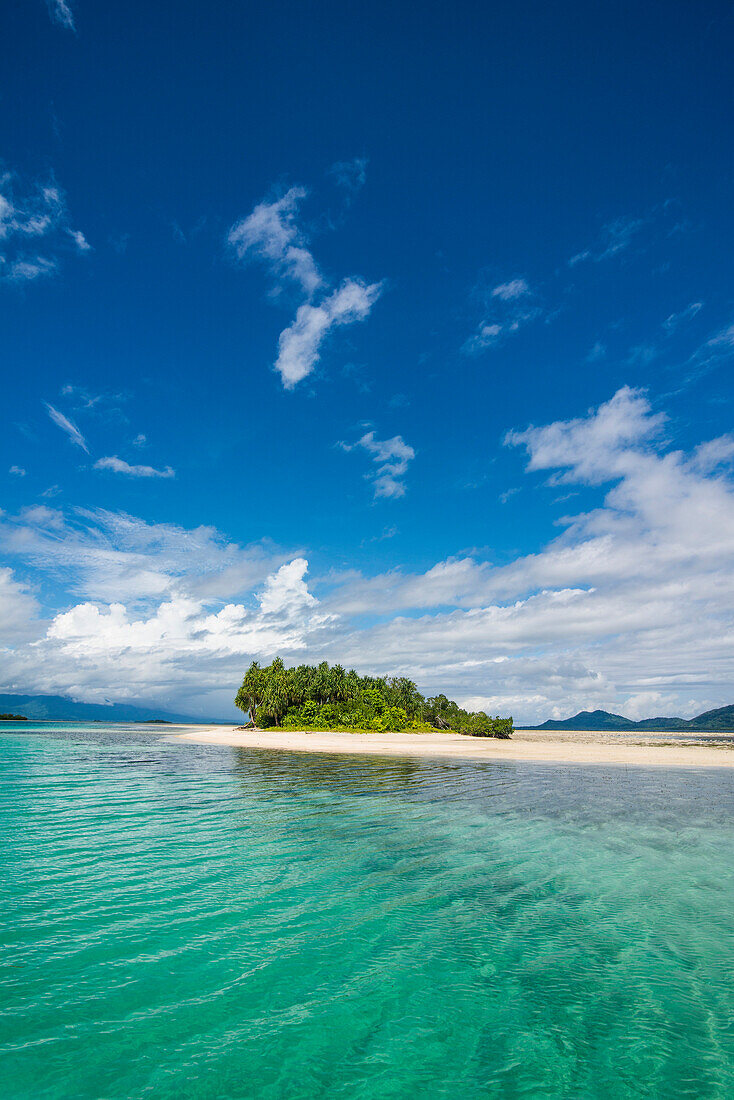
719,721
59,708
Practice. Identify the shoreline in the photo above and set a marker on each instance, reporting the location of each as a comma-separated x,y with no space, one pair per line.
576,747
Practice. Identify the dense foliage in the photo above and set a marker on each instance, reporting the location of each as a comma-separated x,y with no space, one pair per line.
327,697
13,718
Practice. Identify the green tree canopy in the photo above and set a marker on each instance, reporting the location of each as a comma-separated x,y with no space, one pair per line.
328,697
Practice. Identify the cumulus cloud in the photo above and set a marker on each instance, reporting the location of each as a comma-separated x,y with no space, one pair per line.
67,426
633,597
630,607
286,592
119,466
153,651
596,447
391,458
299,345
270,233
34,229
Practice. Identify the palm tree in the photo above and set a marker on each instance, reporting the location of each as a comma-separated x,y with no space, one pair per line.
338,685
249,697
276,699
321,685
300,684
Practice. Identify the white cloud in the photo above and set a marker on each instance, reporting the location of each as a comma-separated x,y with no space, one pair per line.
26,270
712,353
595,447
299,344
507,307
19,610
286,592
119,466
671,323
630,607
34,230
633,597
616,237
61,13
510,292
79,240
148,655
715,453
17,470
67,426
270,233
391,457
103,555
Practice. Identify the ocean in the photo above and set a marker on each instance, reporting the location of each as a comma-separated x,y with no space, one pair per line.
210,922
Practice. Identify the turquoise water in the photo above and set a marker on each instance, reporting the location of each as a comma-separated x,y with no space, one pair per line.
193,921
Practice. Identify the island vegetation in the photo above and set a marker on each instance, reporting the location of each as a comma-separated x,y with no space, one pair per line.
13,718
326,697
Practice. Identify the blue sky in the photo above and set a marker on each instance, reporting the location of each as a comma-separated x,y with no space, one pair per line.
283,290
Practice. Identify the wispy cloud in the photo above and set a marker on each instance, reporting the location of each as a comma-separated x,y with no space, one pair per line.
270,234
67,426
34,230
17,470
82,398
510,292
712,353
79,240
630,607
299,345
671,323
119,466
350,175
391,458
507,307
616,236
61,13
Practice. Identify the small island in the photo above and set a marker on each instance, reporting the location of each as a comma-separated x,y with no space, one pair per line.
13,718
325,709
325,697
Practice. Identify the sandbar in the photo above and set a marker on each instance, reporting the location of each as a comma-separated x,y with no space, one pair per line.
577,747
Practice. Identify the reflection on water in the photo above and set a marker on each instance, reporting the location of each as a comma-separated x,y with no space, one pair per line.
201,921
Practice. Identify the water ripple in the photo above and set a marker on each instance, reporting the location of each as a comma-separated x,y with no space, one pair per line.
199,921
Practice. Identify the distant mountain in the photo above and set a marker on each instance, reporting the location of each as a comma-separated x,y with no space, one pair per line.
717,721
59,708
720,719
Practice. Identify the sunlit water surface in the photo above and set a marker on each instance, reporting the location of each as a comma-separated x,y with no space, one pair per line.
198,921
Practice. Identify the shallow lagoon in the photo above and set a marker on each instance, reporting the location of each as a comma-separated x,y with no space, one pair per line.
198,921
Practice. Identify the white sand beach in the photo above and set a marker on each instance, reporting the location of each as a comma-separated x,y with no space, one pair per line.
577,747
